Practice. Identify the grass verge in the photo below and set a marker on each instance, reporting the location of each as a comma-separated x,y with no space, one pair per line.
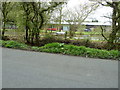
62,48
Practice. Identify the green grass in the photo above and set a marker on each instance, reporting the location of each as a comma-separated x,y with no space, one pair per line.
13,44
80,51
88,33
65,49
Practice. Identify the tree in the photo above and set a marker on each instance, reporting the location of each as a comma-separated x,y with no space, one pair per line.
115,5
78,15
115,22
59,15
5,9
35,18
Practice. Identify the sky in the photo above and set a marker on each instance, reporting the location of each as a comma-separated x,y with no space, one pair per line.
98,14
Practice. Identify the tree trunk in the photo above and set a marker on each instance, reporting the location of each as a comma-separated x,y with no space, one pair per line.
3,31
112,36
27,29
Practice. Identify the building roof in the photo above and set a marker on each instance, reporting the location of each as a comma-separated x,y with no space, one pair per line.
97,23
86,23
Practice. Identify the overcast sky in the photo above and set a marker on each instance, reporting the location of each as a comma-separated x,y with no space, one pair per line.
98,14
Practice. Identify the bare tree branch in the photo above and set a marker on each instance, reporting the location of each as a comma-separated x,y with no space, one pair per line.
103,33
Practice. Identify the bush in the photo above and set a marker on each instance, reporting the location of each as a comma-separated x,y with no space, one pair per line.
103,54
66,49
5,38
80,51
35,48
91,52
2,43
14,44
47,39
54,45
115,54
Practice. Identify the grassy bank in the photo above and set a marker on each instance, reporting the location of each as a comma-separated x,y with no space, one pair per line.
62,48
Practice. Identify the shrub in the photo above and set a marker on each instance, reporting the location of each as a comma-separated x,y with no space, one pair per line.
91,52
69,47
115,54
49,38
14,44
35,48
5,38
2,43
80,51
74,50
103,54
66,49
54,45
52,39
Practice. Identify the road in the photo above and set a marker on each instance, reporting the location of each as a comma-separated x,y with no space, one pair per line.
27,69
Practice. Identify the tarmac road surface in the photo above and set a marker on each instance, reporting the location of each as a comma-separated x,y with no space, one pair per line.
27,69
